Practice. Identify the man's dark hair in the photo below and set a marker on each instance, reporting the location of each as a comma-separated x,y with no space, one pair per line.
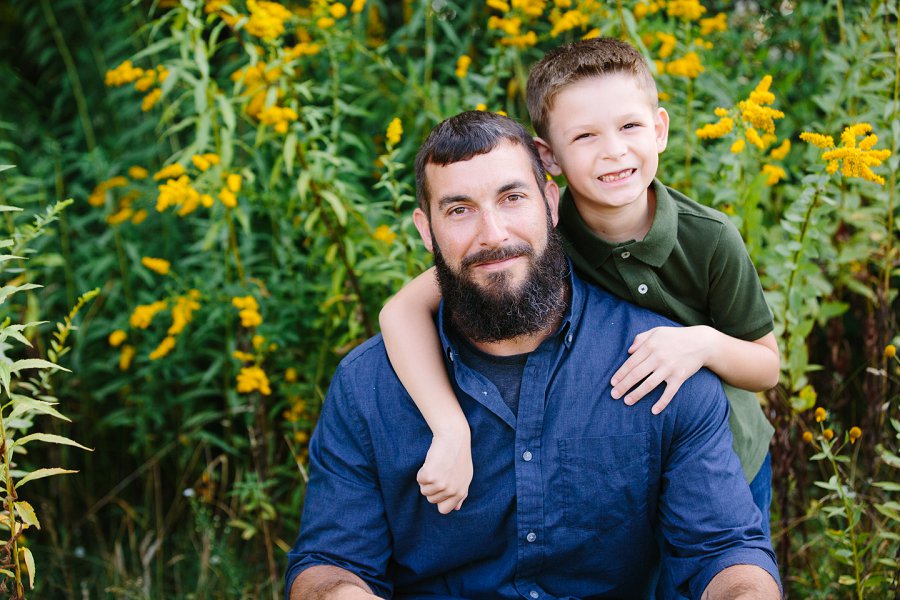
469,134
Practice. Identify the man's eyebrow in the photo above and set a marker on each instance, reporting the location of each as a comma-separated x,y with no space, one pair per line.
445,201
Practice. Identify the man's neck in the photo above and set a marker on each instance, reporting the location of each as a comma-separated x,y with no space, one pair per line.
621,223
525,343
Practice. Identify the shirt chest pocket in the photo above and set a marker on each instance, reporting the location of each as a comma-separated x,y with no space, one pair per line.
604,480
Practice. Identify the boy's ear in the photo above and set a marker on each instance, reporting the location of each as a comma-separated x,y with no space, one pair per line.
424,227
551,193
662,129
547,157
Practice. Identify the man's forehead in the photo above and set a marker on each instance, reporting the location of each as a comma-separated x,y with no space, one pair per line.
494,170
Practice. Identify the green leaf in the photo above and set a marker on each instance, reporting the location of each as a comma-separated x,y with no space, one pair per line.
336,205
846,580
26,513
50,439
8,290
29,564
41,473
226,110
24,404
34,363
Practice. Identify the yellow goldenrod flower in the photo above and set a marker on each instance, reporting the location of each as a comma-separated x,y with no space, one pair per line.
568,21
668,42
164,348
481,106
687,66
720,112
146,81
119,217
828,434
856,160
462,65
394,132
821,414
143,314
807,437
258,341
781,151
754,110
266,19
664,96
206,200
125,357
687,10
248,310
211,6
640,11
527,40
233,181
98,195
137,172
498,5
753,137
738,146
593,33
117,337
337,10
290,375
183,311
890,351
158,265
774,173
357,6
124,73
384,234
200,162
243,356
251,379
716,23
178,192
169,172
854,434
712,131
325,22
139,216
817,139
227,197
151,99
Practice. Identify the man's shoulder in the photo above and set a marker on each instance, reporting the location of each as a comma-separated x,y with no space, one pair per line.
368,362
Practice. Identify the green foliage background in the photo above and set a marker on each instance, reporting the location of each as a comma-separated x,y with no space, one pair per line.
194,489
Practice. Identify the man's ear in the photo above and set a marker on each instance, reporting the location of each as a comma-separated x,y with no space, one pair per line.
424,227
662,129
551,193
547,157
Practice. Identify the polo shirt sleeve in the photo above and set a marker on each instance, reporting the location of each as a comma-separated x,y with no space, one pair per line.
707,516
737,305
343,522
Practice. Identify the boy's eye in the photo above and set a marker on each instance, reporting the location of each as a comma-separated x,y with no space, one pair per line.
631,125
582,136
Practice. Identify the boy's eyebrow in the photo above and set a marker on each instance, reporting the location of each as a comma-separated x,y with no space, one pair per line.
445,201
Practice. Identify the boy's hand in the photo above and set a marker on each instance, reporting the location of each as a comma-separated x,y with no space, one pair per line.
662,354
445,477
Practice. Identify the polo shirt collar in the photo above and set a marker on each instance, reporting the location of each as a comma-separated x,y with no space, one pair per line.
653,250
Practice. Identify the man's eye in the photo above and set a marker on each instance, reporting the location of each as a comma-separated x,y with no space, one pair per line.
457,210
515,197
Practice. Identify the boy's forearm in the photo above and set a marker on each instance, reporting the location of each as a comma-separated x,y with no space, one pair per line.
753,366
414,348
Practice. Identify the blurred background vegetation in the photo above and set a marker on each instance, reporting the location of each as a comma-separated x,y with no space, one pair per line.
242,194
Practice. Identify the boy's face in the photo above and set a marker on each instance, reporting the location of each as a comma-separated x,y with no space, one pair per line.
605,137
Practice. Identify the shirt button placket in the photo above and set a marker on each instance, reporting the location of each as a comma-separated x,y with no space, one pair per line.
642,289
534,594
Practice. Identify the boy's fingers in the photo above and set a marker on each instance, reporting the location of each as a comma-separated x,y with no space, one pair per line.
632,377
666,397
645,388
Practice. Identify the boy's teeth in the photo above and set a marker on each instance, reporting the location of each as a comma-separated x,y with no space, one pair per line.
616,176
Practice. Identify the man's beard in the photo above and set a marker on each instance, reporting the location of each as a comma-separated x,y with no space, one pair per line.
500,310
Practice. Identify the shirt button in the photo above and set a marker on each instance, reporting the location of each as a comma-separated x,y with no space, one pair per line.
642,289
531,536
533,594
569,338
527,456
626,254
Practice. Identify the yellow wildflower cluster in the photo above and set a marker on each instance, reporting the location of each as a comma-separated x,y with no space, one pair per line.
667,43
266,19
297,410
808,437
123,74
243,356
125,211
157,265
164,348
169,172
781,151
117,337
251,379
228,193
280,117
687,10
178,192
854,434
136,172
211,6
143,314
462,65
754,110
256,79
853,160
98,194
394,132
569,20
183,311
384,234
143,80
301,49
248,310
687,66
890,351
125,357
773,173
643,8
716,23
518,12
723,127
205,161
821,414
526,40
511,27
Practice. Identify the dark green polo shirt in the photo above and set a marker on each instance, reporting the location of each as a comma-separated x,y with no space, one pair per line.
693,267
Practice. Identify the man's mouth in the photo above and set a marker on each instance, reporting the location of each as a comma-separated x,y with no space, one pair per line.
619,175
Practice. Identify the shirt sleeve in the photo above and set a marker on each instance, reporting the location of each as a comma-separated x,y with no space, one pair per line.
343,522
707,515
737,305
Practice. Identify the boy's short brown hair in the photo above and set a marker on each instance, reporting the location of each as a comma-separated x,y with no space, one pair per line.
579,60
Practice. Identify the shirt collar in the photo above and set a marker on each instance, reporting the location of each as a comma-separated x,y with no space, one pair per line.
566,330
654,249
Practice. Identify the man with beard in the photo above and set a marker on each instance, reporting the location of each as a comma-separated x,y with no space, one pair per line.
572,491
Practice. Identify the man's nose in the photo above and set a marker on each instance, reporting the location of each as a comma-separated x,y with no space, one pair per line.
493,230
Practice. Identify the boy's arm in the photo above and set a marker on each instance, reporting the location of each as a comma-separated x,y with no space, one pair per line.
412,344
672,354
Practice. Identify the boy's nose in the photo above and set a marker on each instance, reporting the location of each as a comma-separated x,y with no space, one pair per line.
613,147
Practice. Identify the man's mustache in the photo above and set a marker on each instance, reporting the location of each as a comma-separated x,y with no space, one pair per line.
496,254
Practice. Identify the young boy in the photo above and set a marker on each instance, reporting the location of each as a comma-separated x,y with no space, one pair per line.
594,107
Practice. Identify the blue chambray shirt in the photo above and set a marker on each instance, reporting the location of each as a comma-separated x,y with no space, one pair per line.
568,499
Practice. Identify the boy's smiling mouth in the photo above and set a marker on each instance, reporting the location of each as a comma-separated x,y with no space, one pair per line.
618,175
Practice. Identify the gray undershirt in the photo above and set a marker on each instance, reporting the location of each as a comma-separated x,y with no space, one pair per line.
505,372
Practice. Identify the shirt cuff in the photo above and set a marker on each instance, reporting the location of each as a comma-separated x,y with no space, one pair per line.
759,558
